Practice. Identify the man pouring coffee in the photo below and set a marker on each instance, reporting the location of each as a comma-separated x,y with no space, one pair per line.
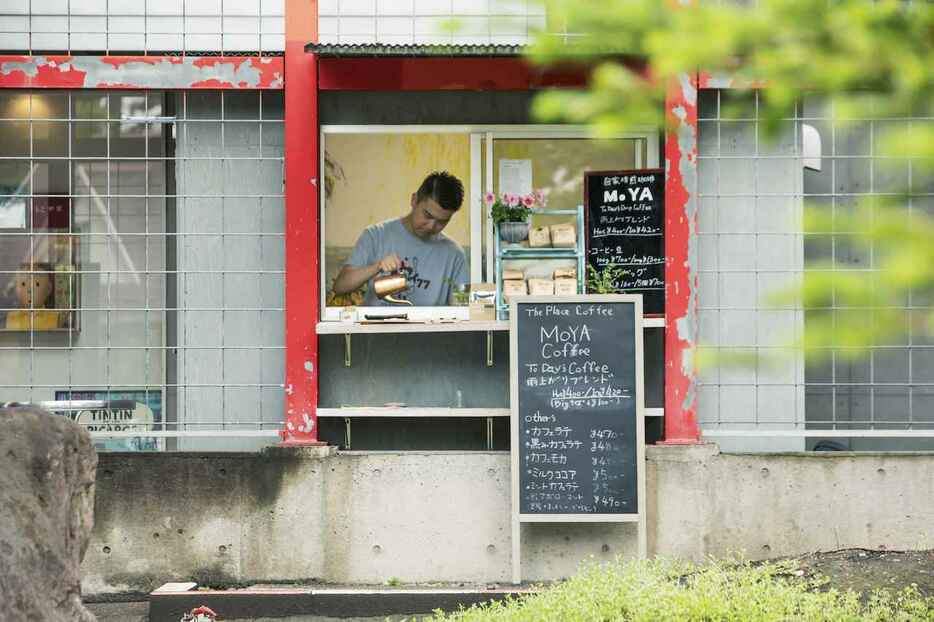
413,244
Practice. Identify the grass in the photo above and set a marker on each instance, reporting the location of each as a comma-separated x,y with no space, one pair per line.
660,590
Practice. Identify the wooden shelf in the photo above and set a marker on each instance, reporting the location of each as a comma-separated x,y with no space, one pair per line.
347,328
405,411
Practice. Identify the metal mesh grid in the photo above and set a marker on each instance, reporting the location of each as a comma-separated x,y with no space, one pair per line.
750,242
166,212
142,26
497,22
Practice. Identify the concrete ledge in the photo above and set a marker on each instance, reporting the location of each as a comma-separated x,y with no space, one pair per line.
360,518
333,603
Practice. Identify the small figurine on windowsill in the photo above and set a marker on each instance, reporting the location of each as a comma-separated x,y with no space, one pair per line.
33,286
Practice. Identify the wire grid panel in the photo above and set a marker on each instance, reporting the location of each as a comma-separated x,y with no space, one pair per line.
404,22
142,26
750,242
162,245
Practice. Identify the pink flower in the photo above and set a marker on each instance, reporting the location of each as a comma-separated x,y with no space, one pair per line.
539,197
510,199
528,200
489,198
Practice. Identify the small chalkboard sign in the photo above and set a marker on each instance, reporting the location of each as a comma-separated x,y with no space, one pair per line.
577,410
625,219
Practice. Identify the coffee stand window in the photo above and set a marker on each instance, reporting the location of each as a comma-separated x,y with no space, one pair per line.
369,172
406,387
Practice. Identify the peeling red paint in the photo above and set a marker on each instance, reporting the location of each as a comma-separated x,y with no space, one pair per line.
118,61
213,83
15,79
213,61
60,77
680,280
141,72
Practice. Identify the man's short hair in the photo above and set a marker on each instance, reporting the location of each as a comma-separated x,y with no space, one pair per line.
442,188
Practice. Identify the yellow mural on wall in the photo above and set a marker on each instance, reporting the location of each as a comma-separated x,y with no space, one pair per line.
380,173
372,178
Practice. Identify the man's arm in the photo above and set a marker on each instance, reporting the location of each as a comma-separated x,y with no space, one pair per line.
351,278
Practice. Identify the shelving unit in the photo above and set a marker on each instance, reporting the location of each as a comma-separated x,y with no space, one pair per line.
356,328
507,253
349,413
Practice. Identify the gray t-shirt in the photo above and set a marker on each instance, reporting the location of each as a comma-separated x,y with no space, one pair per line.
430,265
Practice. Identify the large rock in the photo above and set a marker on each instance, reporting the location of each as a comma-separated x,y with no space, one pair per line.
47,466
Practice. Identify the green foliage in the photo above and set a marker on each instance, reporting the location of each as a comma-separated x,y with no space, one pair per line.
852,310
864,59
878,55
510,213
659,590
604,281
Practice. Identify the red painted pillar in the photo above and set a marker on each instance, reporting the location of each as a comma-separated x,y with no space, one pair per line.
681,262
302,250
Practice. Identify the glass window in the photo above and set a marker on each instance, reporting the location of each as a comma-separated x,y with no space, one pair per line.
370,179
136,266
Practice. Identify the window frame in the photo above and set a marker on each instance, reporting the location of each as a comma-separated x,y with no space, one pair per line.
480,182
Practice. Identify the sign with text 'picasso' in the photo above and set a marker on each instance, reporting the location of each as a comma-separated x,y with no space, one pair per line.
625,216
577,410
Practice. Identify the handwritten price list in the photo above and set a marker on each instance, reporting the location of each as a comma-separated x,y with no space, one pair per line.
577,408
625,228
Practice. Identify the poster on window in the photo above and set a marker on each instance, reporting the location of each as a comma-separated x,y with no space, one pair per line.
116,411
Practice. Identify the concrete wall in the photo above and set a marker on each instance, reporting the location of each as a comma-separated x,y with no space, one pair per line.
294,515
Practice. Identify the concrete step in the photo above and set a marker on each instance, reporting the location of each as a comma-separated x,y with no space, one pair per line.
277,601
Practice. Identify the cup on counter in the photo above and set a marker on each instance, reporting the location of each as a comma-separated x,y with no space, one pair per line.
459,296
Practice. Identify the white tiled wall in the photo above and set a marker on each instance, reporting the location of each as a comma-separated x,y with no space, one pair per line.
255,25
142,25
429,21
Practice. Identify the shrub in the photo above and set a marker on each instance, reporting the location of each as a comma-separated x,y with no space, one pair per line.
660,590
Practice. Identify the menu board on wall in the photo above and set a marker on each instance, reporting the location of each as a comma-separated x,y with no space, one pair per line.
625,217
578,439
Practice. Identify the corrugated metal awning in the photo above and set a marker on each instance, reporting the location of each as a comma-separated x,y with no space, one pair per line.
337,50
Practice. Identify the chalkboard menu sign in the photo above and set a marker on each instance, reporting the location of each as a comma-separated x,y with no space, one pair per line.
625,217
577,407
